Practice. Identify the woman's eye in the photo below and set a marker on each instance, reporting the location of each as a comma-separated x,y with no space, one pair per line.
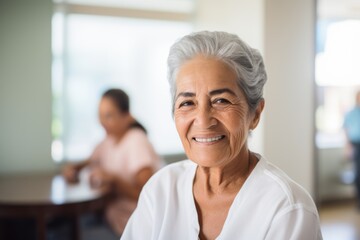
185,104
221,101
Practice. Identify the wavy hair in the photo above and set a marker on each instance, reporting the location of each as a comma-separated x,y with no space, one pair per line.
228,48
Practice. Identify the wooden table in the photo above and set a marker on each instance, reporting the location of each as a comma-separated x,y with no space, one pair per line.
45,196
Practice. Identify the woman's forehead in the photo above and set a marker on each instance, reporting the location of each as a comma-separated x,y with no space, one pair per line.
203,72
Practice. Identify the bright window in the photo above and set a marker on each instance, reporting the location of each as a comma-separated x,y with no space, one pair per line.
337,78
92,53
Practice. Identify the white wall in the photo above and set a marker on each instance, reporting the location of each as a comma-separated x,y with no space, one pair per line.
242,17
289,115
25,85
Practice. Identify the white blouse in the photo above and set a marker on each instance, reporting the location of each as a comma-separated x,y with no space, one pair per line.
269,206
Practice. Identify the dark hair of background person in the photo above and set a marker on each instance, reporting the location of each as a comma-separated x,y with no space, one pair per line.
122,102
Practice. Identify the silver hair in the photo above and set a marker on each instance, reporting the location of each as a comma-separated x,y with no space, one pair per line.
229,48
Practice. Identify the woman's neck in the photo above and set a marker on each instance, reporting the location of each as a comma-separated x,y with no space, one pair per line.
227,179
119,135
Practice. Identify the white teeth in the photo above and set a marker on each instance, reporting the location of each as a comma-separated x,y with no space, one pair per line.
208,139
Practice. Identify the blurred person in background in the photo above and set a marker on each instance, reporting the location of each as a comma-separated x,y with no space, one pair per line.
224,190
122,162
352,132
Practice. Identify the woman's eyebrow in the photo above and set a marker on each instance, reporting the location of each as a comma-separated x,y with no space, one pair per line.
220,91
185,94
212,93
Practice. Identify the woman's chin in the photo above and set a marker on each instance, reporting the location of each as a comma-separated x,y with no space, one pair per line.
208,160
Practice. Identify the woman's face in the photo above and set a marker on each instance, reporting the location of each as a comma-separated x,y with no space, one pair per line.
114,121
211,113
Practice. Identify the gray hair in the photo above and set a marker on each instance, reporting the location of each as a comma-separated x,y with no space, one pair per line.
229,48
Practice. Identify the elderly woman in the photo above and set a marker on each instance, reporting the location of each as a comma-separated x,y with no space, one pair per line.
224,191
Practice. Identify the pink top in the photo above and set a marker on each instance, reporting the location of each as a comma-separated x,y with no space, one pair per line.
125,159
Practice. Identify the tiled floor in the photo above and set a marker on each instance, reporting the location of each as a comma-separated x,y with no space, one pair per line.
340,221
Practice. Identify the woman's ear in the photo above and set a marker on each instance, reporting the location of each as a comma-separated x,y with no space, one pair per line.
255,121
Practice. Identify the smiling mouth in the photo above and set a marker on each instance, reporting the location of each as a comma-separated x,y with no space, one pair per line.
209,140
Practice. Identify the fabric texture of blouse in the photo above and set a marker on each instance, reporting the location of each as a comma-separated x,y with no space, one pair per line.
124,159
269,206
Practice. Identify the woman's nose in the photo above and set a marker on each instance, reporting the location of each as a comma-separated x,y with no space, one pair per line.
204,117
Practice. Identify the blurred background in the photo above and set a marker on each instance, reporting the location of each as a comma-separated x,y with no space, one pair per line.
58,57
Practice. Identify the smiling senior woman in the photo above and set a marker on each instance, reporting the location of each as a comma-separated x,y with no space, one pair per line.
224,191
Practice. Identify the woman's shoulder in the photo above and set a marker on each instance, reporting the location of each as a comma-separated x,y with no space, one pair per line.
276,182
135,136
135,132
